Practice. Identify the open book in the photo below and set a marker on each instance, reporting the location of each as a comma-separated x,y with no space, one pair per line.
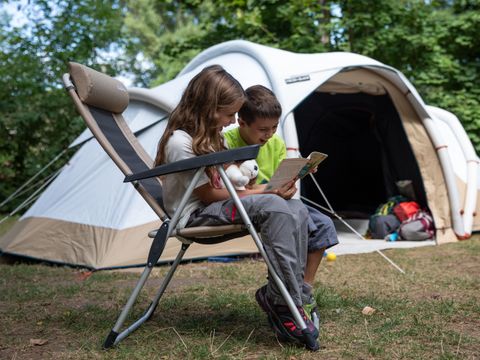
294,169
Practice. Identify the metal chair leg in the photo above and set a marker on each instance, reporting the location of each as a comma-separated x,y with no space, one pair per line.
115,336
155,251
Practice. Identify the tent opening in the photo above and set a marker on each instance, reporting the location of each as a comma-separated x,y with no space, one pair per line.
367,146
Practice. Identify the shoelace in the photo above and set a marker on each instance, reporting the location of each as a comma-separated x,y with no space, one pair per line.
291,325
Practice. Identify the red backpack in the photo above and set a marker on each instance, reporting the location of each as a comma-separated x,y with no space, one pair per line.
406,210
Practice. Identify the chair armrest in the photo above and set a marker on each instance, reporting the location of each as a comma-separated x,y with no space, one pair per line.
221,157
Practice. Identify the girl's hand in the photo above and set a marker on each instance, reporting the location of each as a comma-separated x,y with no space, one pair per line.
259,188
287,191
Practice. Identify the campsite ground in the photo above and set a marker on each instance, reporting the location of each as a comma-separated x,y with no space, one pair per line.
209,311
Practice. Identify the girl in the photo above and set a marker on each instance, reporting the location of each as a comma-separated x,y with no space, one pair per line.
209,103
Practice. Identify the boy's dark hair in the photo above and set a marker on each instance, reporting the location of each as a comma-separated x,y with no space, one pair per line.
261,103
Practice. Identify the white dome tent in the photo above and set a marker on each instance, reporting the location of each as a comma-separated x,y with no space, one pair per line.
89,217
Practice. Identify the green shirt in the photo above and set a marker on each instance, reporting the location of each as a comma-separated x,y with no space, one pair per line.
269,157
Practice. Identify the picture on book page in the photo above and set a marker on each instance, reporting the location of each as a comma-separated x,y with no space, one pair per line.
295,169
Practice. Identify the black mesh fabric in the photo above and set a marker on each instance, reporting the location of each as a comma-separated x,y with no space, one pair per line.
127,153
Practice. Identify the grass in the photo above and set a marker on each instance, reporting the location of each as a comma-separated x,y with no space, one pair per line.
7,223
209,311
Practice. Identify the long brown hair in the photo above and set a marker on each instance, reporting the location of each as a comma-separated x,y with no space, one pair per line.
211,90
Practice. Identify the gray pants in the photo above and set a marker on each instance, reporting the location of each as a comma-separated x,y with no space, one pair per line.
283,228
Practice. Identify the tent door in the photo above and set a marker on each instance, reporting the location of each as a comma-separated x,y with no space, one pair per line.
367,147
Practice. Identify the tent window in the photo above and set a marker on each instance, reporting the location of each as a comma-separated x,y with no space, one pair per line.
367,147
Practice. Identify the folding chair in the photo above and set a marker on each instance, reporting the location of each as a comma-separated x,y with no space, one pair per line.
100,100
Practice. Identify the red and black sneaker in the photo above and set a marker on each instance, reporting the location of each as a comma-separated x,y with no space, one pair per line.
290,329
282,320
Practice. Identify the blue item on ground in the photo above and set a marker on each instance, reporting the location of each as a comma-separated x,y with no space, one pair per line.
393,236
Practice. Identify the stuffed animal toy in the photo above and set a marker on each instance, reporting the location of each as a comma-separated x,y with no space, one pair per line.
240,175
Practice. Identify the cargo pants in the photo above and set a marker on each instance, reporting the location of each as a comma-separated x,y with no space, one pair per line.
283,228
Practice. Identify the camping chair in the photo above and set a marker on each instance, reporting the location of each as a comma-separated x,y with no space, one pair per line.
100,100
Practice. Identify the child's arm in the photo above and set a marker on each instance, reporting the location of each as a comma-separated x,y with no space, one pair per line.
208,194
286,191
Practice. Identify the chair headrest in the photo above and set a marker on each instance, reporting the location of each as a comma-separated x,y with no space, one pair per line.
97,89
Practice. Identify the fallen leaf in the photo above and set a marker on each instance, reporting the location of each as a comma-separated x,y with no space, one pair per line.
367,310
38,342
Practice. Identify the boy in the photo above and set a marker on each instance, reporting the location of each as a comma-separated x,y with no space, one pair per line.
258,120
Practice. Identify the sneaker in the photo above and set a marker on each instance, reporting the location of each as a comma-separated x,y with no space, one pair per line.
282,320
290,329
311,310
261,297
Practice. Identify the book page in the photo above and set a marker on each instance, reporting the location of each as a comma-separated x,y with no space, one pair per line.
286,171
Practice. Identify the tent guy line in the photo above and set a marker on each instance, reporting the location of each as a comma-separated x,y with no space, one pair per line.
354,231
12,196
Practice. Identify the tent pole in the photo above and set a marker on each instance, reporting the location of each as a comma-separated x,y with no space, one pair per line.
331,211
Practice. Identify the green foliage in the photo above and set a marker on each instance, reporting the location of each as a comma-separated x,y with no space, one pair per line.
38,119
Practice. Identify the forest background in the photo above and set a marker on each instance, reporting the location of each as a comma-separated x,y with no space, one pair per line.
436,44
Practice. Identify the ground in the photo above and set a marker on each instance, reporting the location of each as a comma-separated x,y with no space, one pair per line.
209,310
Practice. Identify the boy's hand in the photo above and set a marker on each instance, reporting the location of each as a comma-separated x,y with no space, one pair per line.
287,191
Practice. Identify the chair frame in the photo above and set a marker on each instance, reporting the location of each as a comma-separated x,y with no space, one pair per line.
187,236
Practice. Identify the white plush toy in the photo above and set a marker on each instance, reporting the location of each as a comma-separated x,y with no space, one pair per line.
240,175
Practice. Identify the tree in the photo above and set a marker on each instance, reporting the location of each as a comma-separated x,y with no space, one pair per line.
38,119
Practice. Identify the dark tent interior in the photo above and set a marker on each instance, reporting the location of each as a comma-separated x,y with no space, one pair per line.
368,151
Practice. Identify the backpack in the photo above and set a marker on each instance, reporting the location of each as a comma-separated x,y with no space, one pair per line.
405,210
383,226
381,212
417,227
